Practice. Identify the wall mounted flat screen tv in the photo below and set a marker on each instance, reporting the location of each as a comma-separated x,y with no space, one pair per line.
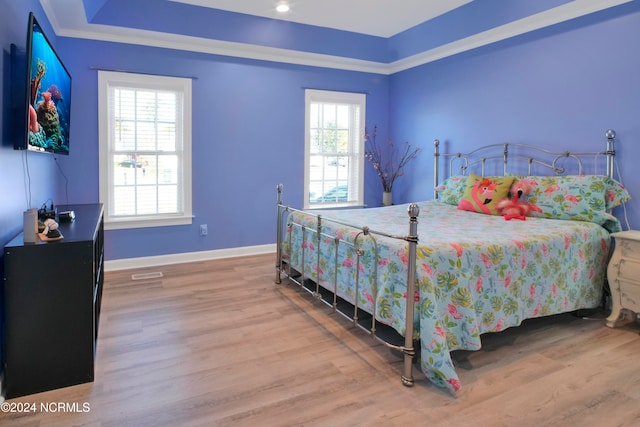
48,96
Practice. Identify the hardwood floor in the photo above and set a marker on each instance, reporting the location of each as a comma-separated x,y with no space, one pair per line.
218,343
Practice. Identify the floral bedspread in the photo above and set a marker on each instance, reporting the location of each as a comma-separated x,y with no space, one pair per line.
475,273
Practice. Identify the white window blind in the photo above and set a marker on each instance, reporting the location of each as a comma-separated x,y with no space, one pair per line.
145,149
334,144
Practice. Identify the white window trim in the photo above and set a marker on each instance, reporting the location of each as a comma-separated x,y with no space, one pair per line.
105,80
315,95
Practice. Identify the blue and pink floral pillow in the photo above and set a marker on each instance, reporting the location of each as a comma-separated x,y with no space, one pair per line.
452,189
575,197
578,198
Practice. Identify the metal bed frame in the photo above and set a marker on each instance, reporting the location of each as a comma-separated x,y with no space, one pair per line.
462,163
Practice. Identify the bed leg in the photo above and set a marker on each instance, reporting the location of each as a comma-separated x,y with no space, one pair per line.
408,350
279,236
407,378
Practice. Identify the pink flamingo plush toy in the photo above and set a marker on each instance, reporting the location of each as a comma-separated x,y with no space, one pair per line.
517,207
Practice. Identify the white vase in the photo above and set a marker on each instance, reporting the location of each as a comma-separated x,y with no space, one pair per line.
387,198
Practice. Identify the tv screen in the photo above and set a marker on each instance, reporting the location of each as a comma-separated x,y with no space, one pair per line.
48,95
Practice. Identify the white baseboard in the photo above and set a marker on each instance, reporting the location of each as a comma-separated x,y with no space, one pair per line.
153,261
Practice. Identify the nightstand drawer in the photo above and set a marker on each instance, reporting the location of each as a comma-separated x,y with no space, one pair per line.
623,274
630,249
629,271
630,295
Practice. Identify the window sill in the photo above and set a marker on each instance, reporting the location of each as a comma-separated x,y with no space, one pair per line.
143,222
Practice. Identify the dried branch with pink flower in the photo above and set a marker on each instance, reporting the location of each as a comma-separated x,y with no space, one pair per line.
391,168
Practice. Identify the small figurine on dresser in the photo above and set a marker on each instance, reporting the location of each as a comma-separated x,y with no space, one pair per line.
48,230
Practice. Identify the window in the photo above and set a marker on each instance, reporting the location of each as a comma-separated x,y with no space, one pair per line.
334,149
145,149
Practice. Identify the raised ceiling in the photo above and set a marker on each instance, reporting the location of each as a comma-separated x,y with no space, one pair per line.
378,36
381,18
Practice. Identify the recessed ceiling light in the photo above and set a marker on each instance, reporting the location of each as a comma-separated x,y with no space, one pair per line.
282,7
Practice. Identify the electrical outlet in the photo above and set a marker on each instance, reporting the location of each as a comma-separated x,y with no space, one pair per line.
203,230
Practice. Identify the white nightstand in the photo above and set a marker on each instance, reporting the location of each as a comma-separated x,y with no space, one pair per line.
623,274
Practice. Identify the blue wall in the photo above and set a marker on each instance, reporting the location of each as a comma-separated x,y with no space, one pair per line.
563,86
20,184
248,136
14,180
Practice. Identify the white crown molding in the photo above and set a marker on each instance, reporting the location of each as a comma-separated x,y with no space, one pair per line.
68,19
544,19
224,48
181,258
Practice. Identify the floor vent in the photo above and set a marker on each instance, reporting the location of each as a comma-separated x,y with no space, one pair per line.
145,276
